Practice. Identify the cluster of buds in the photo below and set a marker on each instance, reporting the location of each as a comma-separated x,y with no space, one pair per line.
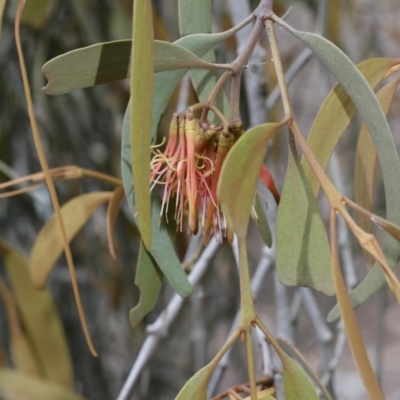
189,169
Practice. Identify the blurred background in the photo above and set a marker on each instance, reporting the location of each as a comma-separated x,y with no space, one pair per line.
84,128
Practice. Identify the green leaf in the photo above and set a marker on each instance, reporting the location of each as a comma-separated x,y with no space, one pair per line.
295,354
40,319
196,387
297,385
141,106
302,249
162,250
262,222
18,386
195,17
335,115
240,173
110,61
49,246
148,279
367,104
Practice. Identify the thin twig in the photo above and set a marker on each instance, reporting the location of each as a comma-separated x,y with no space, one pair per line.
160,327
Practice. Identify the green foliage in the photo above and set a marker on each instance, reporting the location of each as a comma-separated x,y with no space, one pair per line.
208,171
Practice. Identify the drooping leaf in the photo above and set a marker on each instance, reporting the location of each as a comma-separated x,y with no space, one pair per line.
295,354
48,246
262,222
162,249
110,61
353,333
335,115
240,174
368,106
297,385
302,248
40,319
196,387
19,386
112,213
365,163
21,353
141,104
366,158
148,279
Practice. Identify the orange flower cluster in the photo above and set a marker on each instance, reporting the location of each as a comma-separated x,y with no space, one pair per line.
189,170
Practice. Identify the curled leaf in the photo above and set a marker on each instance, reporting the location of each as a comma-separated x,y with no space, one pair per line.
48,246
112,213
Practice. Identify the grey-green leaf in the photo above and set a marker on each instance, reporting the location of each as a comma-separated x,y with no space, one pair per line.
162,249
367,104
107,62
148,279
302,248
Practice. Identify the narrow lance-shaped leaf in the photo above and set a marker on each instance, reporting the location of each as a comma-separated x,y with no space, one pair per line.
48,246
162,249
335,115
110,61
302,248
350,323
240,173
365,163
141,105
367,104
21,353
40,319
148,279
17,385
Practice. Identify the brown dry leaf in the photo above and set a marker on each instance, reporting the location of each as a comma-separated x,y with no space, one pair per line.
112,213
350,323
